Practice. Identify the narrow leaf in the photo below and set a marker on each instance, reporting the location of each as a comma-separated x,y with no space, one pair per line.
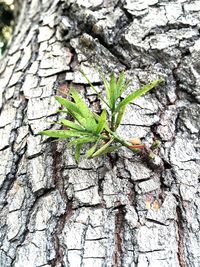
107,88
68,104
91,151
83,140
126,85
120,84
77,117
63,133
81,120
137,94
71,125
90,123
77,152
113,93
62,110
102,121
108,150
120,117
103,149
97,118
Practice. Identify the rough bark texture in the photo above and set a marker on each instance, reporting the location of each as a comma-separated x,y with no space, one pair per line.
111,211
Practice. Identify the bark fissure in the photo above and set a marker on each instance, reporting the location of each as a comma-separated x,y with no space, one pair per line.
180,233
59,184
119,221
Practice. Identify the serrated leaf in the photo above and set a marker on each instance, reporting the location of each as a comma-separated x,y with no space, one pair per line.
137,94
83,140
63,133
70,106
90,123
103,149
71,125
77,152
102,121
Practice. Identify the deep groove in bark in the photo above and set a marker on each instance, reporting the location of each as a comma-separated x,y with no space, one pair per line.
180,233
59,184
119,221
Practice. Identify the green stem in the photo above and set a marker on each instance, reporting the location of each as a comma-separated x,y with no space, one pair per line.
92,86
113,122
103,137
123,142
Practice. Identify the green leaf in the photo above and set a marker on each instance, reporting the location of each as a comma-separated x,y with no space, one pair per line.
64,133
123,89
91,151
89,127
102,121
107,150
70,106
73,110
103,149
77,152
137,94
113,92
62,110
77,117
120,84
71,125
83,140
90,123
120,117
97,118
107,88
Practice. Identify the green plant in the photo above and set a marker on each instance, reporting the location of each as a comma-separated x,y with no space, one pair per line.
6,24
99,130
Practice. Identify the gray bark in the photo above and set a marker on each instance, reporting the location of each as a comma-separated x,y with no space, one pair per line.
111,211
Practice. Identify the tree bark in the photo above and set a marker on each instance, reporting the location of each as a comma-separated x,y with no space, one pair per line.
111,211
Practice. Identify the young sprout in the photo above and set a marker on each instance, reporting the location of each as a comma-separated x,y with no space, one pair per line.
87,127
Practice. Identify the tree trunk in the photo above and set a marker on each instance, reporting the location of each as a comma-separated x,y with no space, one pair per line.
111,211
